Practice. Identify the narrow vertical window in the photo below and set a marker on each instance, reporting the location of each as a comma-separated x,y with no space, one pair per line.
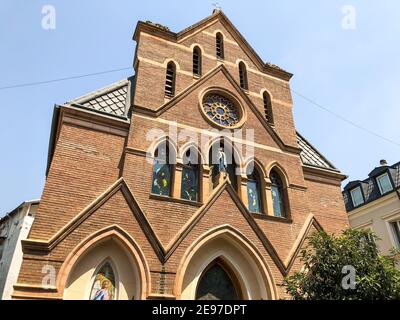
243,76
277,195
253,192
197,61
170,80
190,176
219,45
268,108
162,171
396,232
103,287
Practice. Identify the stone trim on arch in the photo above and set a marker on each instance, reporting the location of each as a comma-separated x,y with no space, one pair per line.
281,171
155,143
268,287
197,147
84,246
225,138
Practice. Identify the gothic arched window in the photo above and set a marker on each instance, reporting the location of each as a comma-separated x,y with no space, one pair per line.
254,186
219,45
268,108
197,61
278,196
103,287
190,176
162,170
216,283
243,76
170,79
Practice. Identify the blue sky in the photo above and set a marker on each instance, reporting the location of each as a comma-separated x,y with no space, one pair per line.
354,73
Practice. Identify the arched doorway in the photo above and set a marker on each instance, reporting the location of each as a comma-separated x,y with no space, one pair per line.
218,282
105,271
223,256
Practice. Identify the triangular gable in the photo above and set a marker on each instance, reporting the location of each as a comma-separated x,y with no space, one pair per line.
217,15
33,246
221,68
283,266
120,185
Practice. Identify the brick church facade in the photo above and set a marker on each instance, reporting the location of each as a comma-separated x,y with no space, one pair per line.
187,180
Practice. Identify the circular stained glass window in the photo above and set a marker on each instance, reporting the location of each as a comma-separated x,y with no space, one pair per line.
221,110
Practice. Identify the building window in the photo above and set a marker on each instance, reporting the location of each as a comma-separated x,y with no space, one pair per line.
243,76
268,108
190,176
197,61
103,287
170,79
357,196
217,283
277,191
396,232
253,192
162,171
384,183
219,45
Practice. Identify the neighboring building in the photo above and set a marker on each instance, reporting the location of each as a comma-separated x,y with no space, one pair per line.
14,227
374,203
128,213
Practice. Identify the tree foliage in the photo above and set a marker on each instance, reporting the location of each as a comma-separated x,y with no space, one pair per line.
376,276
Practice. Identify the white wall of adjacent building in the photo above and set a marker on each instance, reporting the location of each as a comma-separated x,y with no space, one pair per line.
379,216
14,227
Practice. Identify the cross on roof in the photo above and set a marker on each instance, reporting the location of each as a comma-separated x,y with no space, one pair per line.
217,6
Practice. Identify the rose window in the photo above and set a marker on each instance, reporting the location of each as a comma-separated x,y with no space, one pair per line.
221,110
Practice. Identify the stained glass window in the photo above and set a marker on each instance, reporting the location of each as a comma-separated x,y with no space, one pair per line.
253,194
216,284
190,176
103,287
277,195
189,189
221,110
161,184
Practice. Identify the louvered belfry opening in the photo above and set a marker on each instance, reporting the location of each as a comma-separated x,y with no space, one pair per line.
170,80
243,76
219,45
268,108
197,61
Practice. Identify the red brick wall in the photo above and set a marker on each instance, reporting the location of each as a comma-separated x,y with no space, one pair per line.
86,162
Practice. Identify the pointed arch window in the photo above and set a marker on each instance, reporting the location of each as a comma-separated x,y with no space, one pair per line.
268,108
217,283
190,175
197,61
170,79
254,186
243,76
278,196
103,287
219,45
162,171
